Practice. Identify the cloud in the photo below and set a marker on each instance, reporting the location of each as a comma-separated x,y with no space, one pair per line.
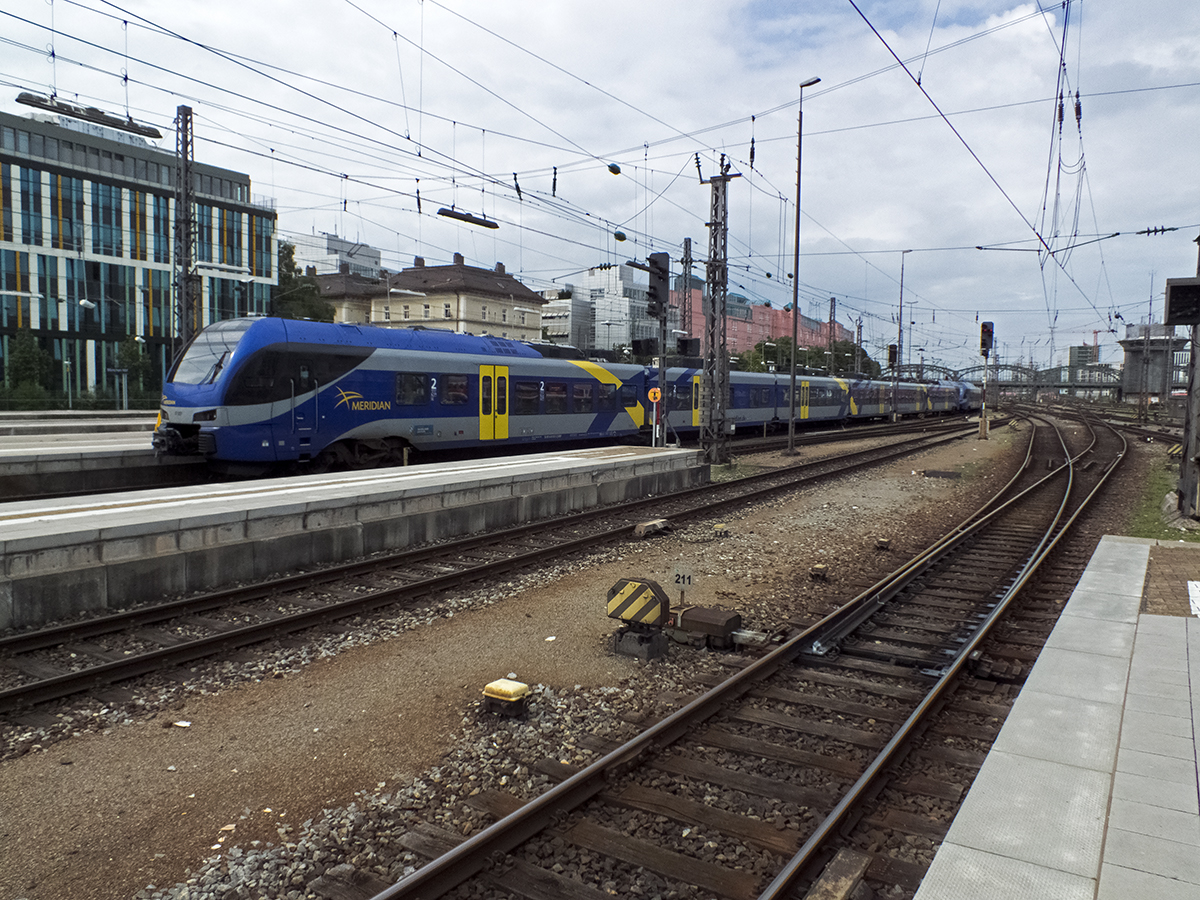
526,88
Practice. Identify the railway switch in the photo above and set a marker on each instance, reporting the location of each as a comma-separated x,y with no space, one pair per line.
714,628
644,607
507,697
704,626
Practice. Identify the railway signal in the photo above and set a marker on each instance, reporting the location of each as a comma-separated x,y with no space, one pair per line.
985,339
658,293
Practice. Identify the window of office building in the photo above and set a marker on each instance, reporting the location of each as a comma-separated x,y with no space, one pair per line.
106,219
446,311
231,237
139,238
48,288
162,229
14,280
262,229
204,241
66,213
31,206
6,223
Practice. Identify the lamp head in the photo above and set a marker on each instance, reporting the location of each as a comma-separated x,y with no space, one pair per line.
87,304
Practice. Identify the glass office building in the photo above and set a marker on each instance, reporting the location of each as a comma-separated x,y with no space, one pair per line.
87,221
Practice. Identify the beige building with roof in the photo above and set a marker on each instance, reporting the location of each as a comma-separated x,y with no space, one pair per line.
457,297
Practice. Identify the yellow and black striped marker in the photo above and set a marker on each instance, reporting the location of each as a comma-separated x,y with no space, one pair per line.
639,601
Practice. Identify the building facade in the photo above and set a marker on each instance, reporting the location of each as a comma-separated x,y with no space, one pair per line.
607,309
1156,363
747,324
567,318
458,297
87,247
327,254
617,298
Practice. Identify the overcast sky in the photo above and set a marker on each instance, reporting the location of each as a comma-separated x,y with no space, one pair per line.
341,111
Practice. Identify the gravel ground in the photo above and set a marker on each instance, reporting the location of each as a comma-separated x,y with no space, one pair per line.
252,778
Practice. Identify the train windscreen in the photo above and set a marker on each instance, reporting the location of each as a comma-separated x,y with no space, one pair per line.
209,352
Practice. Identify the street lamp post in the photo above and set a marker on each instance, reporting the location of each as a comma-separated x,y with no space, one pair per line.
775,361
791,449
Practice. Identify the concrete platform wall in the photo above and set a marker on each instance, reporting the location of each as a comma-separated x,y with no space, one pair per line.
119,564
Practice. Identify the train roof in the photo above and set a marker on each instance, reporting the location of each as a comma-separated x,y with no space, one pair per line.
344,334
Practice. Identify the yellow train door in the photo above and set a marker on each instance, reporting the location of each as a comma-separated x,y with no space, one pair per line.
695,401
493,403
804,399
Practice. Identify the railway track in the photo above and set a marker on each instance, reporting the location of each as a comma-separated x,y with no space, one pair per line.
52,663
812,734
14,487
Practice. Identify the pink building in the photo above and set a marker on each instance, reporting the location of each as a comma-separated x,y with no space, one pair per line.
746,324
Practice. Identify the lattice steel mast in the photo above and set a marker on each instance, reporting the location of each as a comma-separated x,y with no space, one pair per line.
714,395
185,229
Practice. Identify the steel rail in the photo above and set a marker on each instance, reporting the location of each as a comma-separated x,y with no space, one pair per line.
786,880
107,673
452,868
847,618
56,635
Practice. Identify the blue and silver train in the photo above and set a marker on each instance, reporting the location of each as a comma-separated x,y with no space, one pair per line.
262,391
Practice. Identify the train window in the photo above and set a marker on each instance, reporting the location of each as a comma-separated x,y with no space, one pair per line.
454,392
501,396
606,397
412,389
270,375
556,397
525,398
681,396
583,398
629,395
485,395
208,352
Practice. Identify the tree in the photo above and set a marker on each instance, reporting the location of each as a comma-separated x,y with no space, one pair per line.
297,296
28,363
137,363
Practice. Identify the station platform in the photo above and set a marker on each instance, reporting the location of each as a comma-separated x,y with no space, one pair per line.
1091,789
63,452
106,551
64,421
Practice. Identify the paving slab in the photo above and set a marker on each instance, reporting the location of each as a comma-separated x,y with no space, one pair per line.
1092,787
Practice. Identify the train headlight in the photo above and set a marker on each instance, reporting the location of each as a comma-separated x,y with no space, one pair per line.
208,415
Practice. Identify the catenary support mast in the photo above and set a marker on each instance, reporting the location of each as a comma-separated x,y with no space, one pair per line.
714,394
